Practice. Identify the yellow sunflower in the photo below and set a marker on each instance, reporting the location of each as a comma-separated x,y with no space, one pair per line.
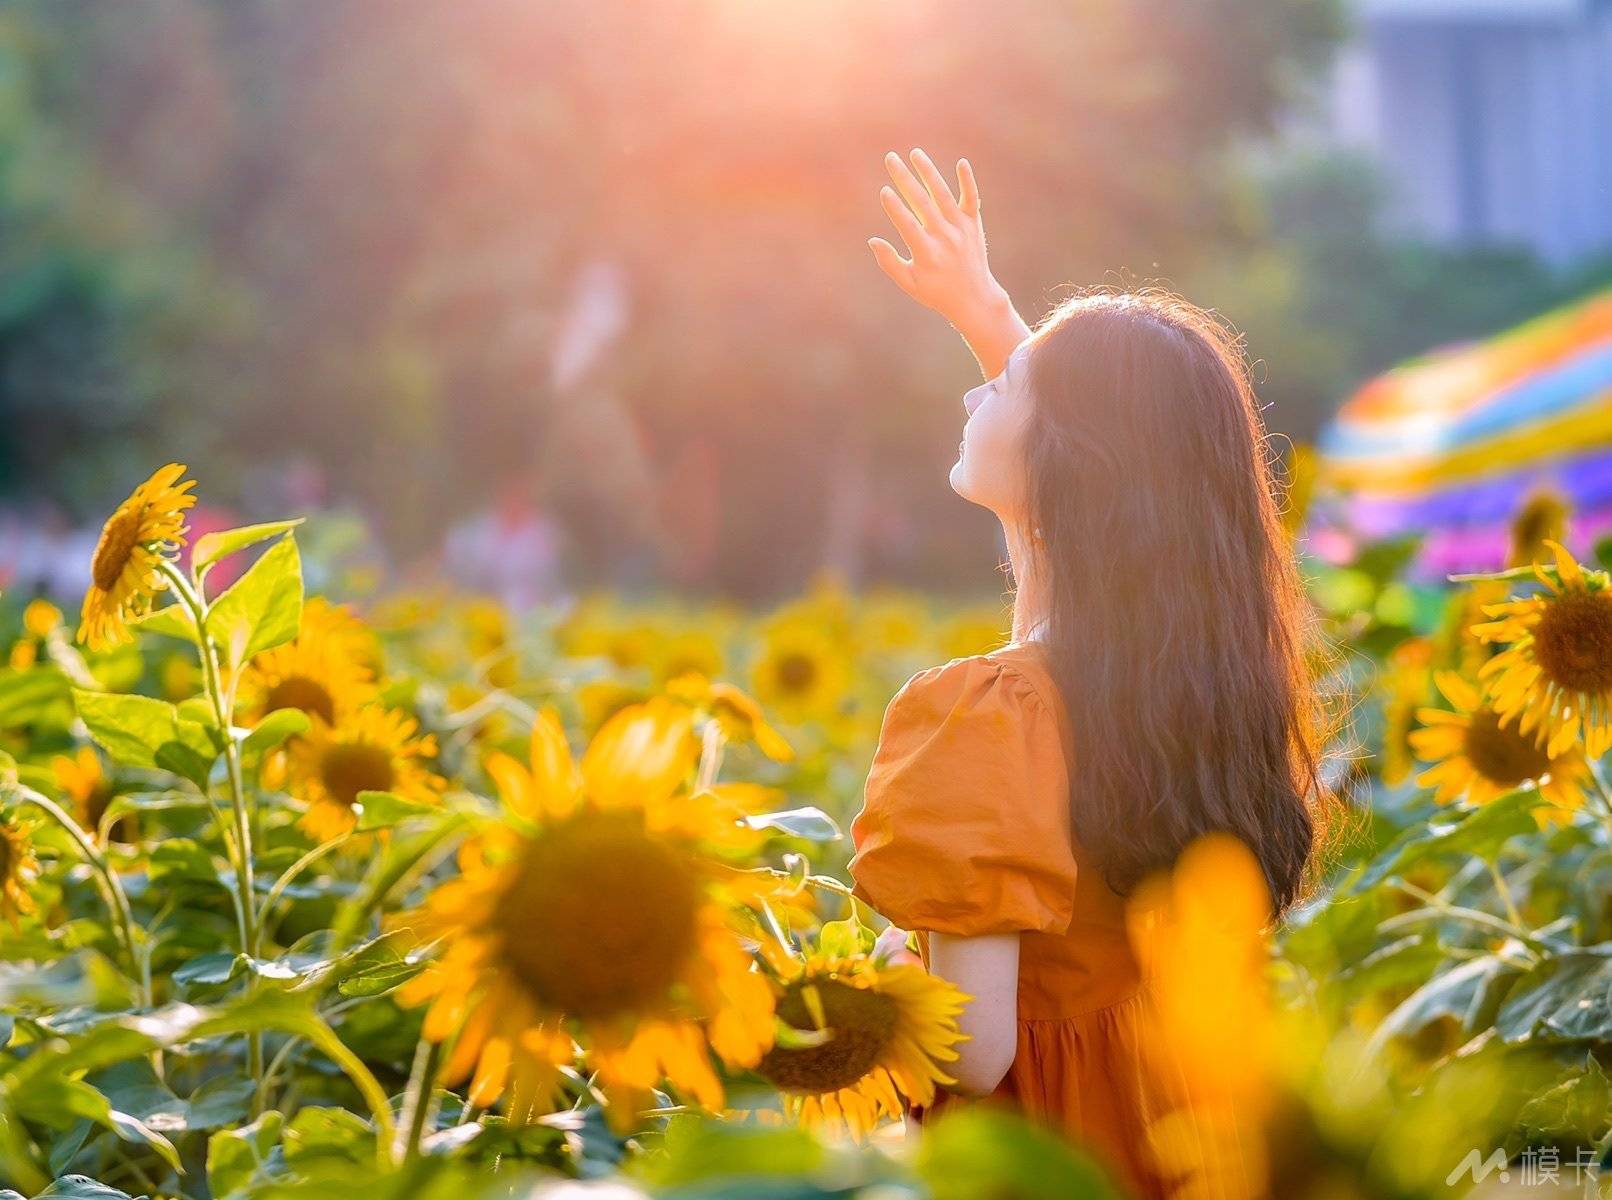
739,716
83,781
18,866
374,749
888,1026
324,670
1556,671
1541,519
803,673
41,618
1483,755
688,651
1199,935
146,527
596,913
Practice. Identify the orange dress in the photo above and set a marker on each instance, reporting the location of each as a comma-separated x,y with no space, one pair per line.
965,830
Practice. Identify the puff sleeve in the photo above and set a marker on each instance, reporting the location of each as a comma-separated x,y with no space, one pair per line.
964,827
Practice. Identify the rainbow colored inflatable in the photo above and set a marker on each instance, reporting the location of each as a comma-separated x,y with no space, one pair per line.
1451,444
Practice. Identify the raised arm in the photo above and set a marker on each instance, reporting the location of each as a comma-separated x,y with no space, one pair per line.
947,270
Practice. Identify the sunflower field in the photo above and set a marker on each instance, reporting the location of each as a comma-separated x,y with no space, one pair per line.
415,895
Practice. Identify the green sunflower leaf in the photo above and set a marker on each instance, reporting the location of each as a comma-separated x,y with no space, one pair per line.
1479,831
212,547
382,810
263,608
273,729
171,620
238,1158
813,824
138,731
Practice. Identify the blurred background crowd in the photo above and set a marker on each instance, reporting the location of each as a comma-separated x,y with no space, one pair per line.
546,297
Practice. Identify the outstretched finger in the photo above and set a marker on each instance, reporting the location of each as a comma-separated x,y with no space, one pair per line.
891,263
906,224
935,182
968,188
912,191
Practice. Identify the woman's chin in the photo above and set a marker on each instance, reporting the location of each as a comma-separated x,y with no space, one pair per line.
959,480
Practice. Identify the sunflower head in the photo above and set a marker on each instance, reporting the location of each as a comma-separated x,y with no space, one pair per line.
595,914
803,672
124,575
1541,520
18,867
375,749
83,780
1555,673
870,1038
324,671
1482,754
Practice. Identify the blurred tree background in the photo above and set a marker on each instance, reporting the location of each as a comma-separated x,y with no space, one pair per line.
338,241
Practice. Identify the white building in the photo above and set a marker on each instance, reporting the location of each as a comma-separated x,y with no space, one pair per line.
1491,119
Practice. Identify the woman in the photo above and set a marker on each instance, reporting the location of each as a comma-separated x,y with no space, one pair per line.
1155,688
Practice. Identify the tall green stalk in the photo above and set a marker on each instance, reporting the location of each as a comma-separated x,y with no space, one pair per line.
190,595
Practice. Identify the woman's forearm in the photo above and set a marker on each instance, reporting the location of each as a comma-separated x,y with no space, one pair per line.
992,328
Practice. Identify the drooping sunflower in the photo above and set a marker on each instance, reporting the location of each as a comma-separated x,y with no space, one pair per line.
324,671
1481,754
18,866
373,749
146,527
889,1028
595,913
1555,674
803,673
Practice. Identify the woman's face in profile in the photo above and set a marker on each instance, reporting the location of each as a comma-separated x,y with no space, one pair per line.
990,467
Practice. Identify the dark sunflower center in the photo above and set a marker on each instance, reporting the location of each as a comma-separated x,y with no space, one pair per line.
1573,641
96,804
348,768
298,691
119,537
8,859
861,1023
1501,753
600,919
796,672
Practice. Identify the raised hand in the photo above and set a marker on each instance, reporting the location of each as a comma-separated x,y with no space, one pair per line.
947,269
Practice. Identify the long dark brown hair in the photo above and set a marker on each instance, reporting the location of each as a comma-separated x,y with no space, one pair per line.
1178,625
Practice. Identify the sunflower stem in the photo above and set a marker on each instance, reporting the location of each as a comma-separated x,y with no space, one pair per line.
195,603
1503,890
117,901
416,1112
777,930
1437,906
288,876
710,756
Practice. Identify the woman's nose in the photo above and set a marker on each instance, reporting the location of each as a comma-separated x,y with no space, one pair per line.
971,400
